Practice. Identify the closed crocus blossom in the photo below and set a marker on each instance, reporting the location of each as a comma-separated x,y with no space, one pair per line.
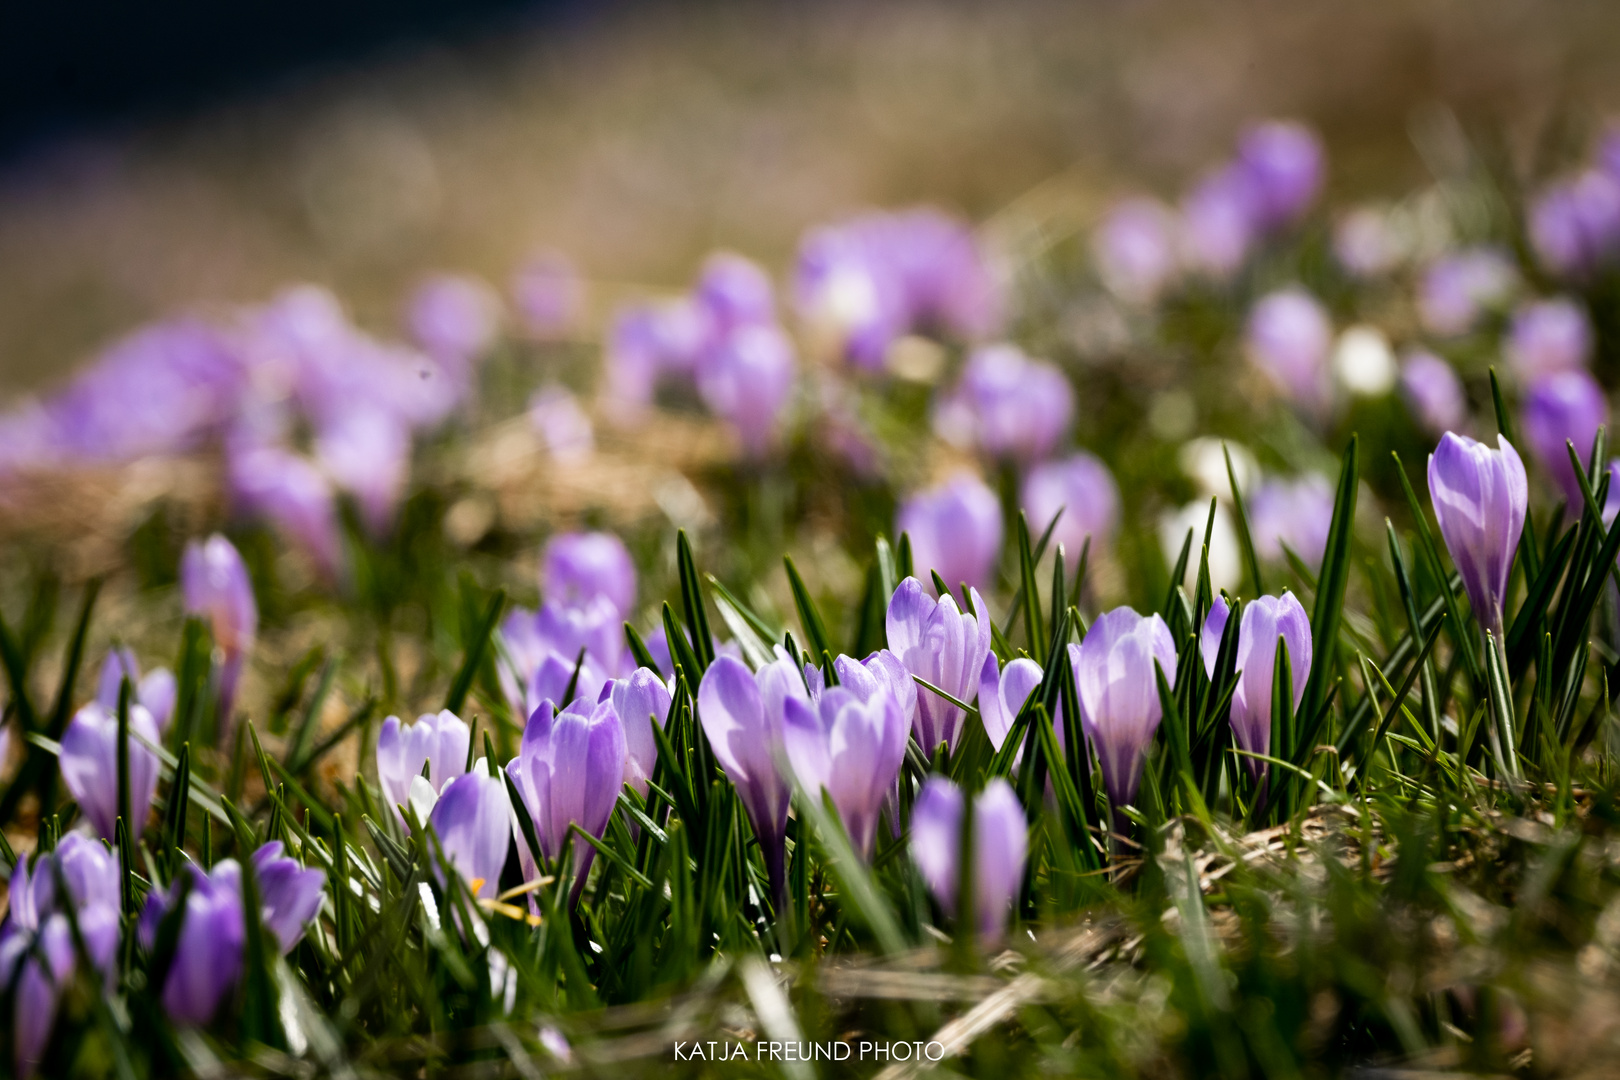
1284,163
208,952
473,821
578,567
156,690
1265,620
289,893
1458,289
1294,513
47,960
1433,392
1290,338
89,762
1214,628
1000,846
1135,249
1218,222
955,529
850,748
1119,695
746,380
1002,693
1575,223
367,452
569,770
1480,498
937,642
454,316
1567,407
293,493
742,714
1549,336
640,701
215,585
1081,486
1007,405
438,740
733,291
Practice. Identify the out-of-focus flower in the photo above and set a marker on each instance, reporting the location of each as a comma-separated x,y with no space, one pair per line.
1480,499
1135,249
1002,693
1575,224
1433,392
578,567
549,295
746,380
640,701
562,424
1000,845
1284,162
440,741
156,690
955,529
735,291
1225,565
368,453
1007,404
936,641
1367,243
1289,337
1548,336
473,821
289,893
1458,289
541,652
215,585
645,342
454,317
1296,513
1203,460
1214,628
1119,695
208,952
294,494
1567,407
742,714
89,761
850,747
1364,361
1265,619
1081,486
1218,222
569,770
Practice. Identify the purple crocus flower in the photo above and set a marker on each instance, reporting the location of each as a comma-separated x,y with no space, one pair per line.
156,690
1290,338
1367,244
208,952
440,742
38,987
1002,693
89,762
1214,628
880,673
742,714
937,642
1000,846
473,821
578,567
735,291
1081,486
1575,224
640,701
1433,392
646,341
1549,336
1265,619
454,317
215,585
1480,499
289,894
549,295
562,424
1007,404
746,380
955,528
1458,289
1218,222
1296,513
1135,249
569,770
595,625
367,451
1566,407
290,490
1284,163
1119,696
850,747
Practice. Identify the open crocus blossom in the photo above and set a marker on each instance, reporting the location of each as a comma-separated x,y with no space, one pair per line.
1119,695
89,761
440,741
852,749
1265,620
1000,844
289,894
1480,498
1002,693
640,701
742,714
569,770
473,821
937,642
215,585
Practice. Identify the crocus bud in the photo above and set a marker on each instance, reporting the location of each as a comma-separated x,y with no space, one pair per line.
1135,249
1209,637
1567,407
640,701
1293,512
1434,393
1480,498
746,379
208,952
439,741
473,821
735,291
1002,693
1458,289
937,642
156,691
1266,619
1000,845
1290,338
1219,222
955,529
850,748
578,567
1119,694
742,714
89,762
569,770
454,317
289,894
215,585
1081,486
1549,336
1284,162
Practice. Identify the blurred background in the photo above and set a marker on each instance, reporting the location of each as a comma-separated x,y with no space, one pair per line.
194,154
